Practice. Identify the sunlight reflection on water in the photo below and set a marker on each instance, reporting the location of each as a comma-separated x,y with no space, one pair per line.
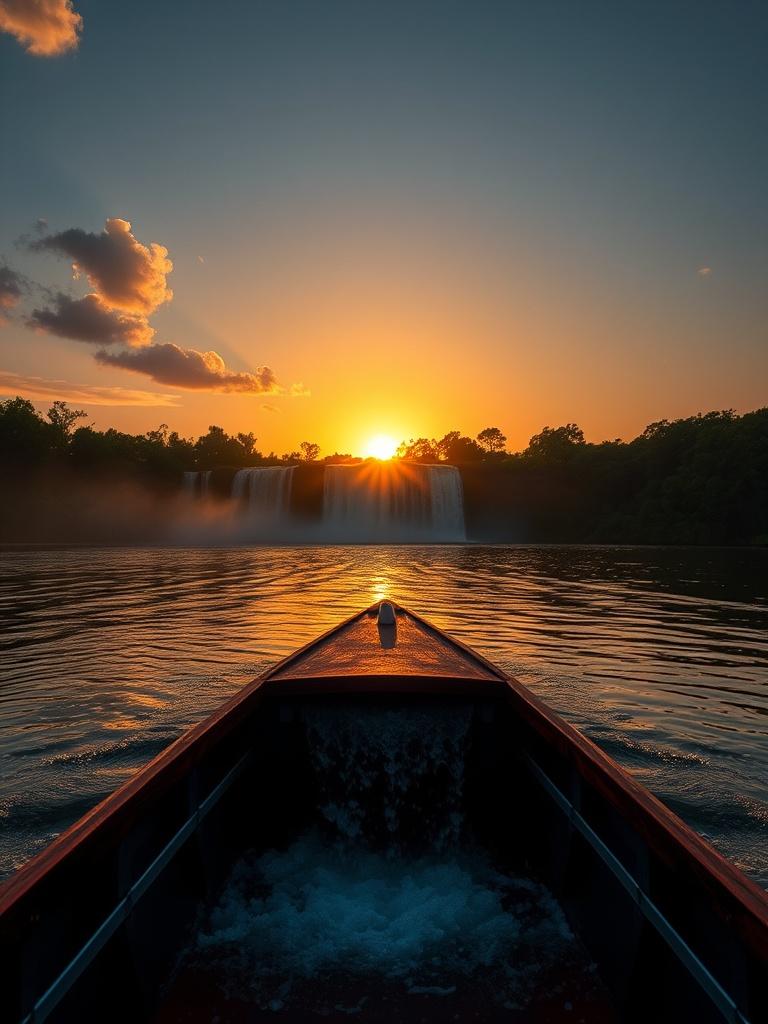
660,655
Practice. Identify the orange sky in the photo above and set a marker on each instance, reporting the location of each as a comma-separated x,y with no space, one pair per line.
424,335
506,223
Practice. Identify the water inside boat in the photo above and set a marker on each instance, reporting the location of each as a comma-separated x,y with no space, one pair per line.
387,905
383,826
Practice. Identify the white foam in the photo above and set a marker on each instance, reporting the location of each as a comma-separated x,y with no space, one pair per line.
363,907
315,909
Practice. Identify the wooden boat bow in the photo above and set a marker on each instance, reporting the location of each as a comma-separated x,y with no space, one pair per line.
652,899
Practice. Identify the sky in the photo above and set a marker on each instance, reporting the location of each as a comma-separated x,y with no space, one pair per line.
400,218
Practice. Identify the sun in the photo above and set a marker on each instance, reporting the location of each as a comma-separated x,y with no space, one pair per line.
381,446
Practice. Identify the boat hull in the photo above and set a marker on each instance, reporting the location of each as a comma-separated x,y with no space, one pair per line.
107,907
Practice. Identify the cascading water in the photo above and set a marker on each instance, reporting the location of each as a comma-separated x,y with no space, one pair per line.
264,492
392,779
447,502
389,905
393,502
371,502
197,484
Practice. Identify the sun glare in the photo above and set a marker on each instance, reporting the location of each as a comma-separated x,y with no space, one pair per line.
382,446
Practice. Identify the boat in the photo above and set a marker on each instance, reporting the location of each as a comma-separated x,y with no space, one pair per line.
91,929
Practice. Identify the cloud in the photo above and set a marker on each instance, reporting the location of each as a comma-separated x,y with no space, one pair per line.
84,394
188,368
45,28
704,271
89,320
123,273
129,283
11,289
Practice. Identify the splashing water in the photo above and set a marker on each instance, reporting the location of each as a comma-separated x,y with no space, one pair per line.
418,926
361,916
390,777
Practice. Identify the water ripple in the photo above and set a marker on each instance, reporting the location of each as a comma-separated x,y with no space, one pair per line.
660,655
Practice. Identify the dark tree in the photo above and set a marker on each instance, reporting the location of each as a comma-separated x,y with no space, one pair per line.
63,419
555,443
309,451
456,448
25,438
159,435
218,448
248,444
420,450
492,440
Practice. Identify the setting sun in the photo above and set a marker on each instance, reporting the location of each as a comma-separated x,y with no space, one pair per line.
381,446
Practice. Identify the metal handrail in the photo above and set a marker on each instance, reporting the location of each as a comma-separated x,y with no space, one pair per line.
67,978
698,970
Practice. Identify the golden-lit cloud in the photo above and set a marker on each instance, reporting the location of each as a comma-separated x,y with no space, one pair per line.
45,28
124,273
189,368
129,282
85,394
704,271
89,320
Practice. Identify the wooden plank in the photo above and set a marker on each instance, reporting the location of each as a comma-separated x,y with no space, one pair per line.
442,666
360,648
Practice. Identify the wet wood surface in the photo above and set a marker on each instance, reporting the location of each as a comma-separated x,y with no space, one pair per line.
363,648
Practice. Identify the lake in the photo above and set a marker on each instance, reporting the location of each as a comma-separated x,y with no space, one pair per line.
660,655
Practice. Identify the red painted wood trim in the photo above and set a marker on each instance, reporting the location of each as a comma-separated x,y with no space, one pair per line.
666,834
124,804
629,796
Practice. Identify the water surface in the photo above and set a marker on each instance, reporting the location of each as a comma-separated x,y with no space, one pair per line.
659,655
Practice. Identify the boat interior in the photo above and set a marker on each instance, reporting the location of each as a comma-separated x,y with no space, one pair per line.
385,827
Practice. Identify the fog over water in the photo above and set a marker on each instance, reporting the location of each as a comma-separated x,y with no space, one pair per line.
659,655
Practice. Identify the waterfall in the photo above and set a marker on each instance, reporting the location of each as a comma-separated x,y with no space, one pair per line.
265,493
393,502
372,502
447,502
197,484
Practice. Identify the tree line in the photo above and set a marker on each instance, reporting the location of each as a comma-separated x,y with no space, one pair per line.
698,480
29,440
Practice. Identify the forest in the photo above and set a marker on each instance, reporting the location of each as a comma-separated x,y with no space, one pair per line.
698,480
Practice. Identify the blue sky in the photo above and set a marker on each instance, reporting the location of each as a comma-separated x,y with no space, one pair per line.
513,202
